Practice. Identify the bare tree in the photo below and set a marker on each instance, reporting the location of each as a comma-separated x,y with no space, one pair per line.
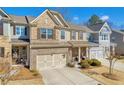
6,69
65,12
112,58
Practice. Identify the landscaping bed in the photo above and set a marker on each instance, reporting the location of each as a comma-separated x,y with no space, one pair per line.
100,74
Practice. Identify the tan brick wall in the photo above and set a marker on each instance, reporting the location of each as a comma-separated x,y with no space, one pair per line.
41,23
4,42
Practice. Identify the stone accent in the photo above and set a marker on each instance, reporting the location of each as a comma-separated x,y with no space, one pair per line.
4,42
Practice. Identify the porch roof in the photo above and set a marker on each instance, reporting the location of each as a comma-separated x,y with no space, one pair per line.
113,44
48,44
82,44
20,41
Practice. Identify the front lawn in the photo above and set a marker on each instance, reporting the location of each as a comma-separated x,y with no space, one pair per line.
25,76
97,73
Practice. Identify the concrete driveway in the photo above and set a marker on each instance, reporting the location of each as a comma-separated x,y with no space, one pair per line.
66,76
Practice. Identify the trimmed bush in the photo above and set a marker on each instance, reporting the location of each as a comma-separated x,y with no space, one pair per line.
85,64
95,62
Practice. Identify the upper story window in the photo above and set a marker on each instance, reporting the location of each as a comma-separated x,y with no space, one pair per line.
123,38
73,35
113,39
104,36
81,35
46,33
1,28
62,34
20,31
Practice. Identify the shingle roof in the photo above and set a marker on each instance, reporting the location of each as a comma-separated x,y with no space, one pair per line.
21,19
79,28
82,43
118,31
96,27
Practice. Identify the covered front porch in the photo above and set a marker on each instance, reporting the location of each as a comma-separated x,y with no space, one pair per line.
20,53
80,50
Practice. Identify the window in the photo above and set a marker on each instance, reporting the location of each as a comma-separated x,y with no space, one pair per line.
62,34
1,28
103,36
73,35
46,20
81,35
46,33
1,51
123,38
113,39
21,31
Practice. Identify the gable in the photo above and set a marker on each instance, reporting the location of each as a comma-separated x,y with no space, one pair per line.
105,28
3,14
45,21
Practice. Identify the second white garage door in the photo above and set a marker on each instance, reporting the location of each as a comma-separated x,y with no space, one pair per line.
96,53
50,61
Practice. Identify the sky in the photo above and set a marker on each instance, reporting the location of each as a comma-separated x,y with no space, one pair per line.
114,15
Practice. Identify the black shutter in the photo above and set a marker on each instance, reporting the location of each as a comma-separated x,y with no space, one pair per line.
26,29
14,29
38,33
1,51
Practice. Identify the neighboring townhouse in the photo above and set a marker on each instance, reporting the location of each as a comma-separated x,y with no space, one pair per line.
5,41
14,38
54,42
102,34
118,38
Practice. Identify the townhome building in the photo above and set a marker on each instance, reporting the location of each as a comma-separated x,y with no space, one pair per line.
102,36
118,38
54,42
46,41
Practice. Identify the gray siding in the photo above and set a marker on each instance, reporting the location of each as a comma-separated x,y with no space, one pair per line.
119,40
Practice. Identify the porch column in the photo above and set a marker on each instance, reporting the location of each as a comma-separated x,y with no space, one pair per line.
79,54
87,52
28,56
113,50
70,55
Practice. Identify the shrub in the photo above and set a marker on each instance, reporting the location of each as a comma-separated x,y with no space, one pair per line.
84,64
95,62
71,64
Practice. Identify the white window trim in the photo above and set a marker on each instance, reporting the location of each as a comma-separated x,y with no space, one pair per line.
20,34
75,35
46,29
61,34
123,38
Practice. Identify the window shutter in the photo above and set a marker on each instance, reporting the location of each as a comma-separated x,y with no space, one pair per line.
1,51
54,34
70,35
14,30
38,33
26,29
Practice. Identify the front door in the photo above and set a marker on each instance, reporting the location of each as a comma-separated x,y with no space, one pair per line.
19,53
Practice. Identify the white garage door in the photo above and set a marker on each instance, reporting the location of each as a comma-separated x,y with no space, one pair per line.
96,52
50,61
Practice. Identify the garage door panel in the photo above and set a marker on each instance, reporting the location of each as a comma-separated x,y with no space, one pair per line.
96,53
50,61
